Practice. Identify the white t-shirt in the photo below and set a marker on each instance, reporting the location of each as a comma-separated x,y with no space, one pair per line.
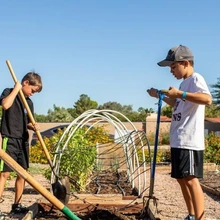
187,126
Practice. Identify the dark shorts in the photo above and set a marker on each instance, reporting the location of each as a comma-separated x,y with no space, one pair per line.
18,149
186,163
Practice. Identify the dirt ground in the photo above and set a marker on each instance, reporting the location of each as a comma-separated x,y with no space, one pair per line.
170,204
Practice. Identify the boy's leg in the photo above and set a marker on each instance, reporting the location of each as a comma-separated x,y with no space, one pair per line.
187,167
19,188
197,196
186,195
23,161
3,177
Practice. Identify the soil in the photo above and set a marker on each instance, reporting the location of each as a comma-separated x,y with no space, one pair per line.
107,182
169,202
212,180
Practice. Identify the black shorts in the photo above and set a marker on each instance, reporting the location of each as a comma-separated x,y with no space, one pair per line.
186,163
17,149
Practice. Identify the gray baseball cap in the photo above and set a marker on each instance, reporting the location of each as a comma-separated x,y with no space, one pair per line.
175,54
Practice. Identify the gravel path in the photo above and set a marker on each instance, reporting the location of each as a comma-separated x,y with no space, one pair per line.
171,204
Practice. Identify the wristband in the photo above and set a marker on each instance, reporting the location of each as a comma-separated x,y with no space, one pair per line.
184,96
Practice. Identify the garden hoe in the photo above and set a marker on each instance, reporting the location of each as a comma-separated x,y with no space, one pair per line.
153,164
61,188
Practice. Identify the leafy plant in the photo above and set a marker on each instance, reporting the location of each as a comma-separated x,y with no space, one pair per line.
115,163
37,154
163,138
78,159
163,155
212,150
80,165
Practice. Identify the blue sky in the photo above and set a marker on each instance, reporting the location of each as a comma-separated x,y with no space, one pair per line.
107,49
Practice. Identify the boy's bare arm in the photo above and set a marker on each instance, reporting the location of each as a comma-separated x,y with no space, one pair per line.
169,101
198,98
8,101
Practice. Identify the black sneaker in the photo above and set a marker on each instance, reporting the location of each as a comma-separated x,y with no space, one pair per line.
19,208
190,217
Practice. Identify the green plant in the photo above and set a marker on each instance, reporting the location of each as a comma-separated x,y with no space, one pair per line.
115,163
151,137
79,157
98,165
166,155
81,164
37,154
212,150
163,138
147,156
163,155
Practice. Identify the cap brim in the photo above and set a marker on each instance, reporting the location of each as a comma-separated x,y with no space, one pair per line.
165,63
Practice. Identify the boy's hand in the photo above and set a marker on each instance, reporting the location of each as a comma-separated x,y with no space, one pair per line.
153,92
174,93
18,86
36,127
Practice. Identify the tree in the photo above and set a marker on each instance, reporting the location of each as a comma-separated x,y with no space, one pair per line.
83,104
216,92
72,112
59,114
126,110
212,111
115,106
148,111
167,111
112,106
134,117
143,113
41,118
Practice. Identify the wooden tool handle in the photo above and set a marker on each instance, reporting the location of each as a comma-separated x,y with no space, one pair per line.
43,191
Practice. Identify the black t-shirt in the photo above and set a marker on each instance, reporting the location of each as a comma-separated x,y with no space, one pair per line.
15,119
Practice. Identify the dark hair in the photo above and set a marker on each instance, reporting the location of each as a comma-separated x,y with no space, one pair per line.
34,80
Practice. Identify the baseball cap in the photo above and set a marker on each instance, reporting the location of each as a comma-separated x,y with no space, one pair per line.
178,53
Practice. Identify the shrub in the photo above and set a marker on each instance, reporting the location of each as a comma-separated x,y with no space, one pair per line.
163,155
212,150
37,154
80,166
78,158
163,138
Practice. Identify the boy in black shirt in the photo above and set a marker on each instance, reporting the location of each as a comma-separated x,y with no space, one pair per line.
14,130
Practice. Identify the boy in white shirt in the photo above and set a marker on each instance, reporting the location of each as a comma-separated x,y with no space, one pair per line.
187,126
